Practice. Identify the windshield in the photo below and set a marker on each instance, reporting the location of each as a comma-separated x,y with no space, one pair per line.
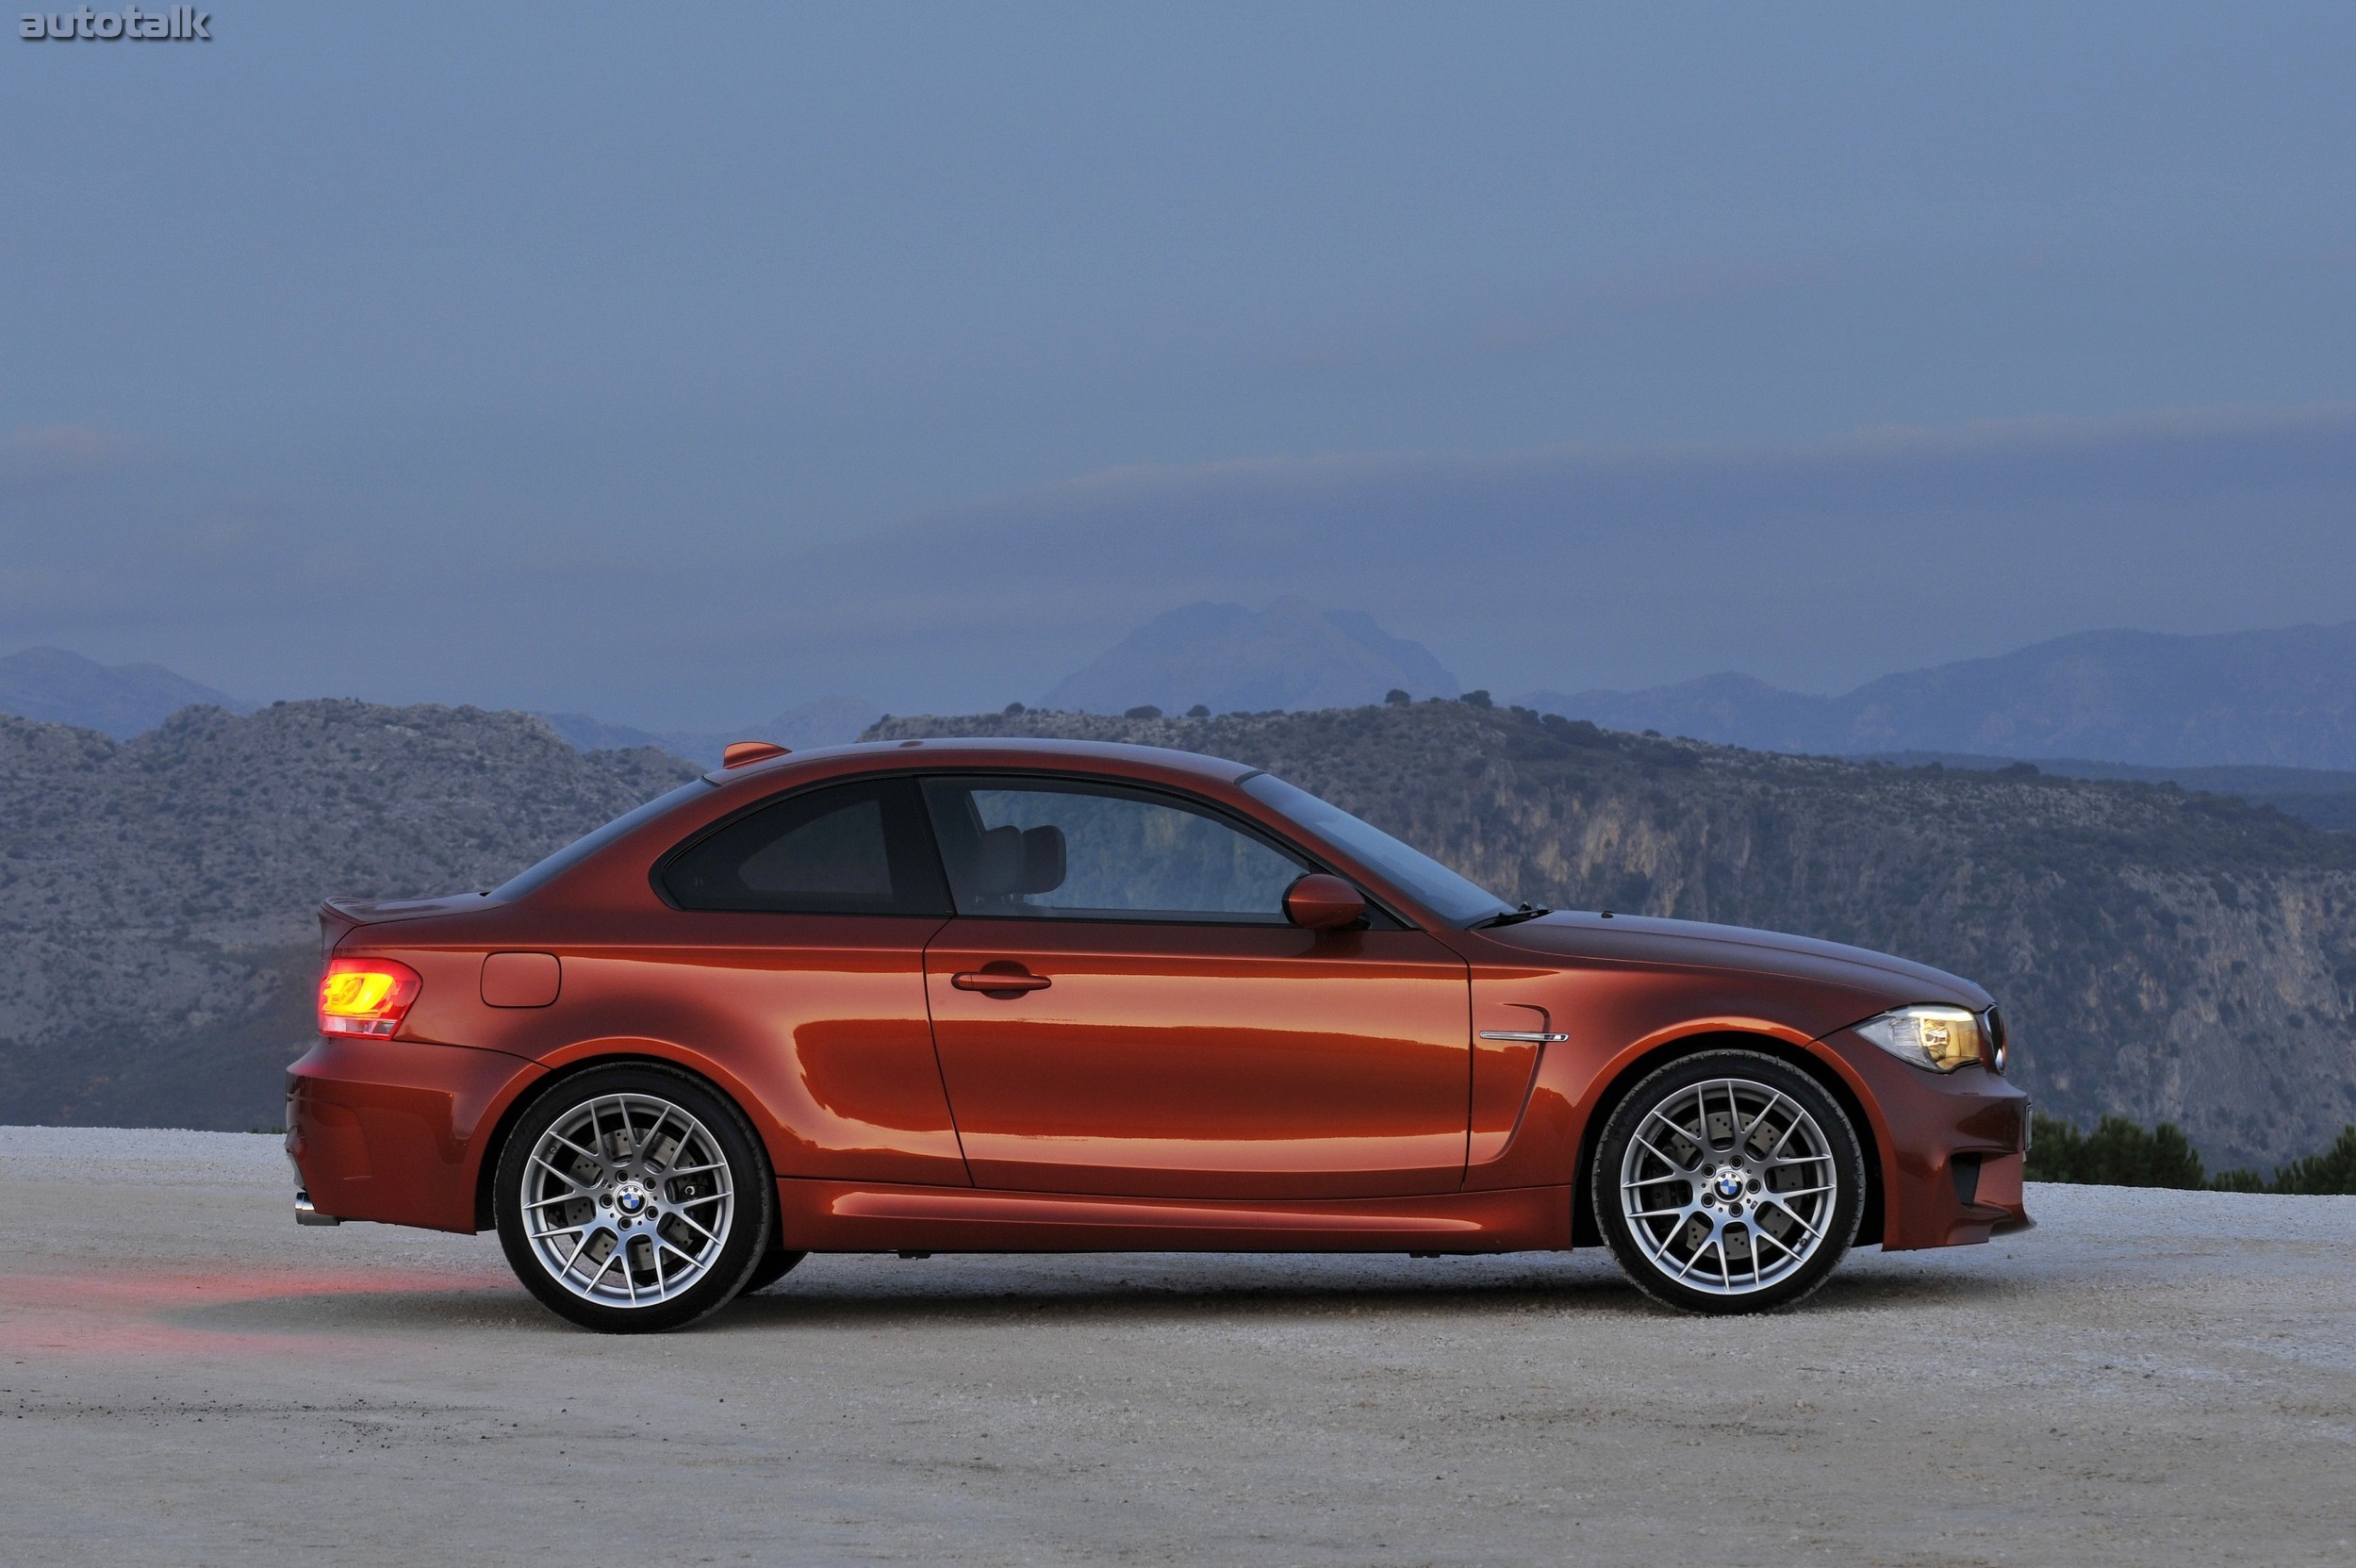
580,849
1455,898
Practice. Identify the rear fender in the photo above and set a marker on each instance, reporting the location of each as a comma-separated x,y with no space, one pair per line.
576,1059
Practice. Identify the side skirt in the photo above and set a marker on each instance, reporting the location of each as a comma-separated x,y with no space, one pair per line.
845,1216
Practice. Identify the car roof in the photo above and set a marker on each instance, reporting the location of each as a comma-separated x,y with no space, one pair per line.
959,751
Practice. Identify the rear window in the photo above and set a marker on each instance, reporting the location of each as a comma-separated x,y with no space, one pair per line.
580,849
854,849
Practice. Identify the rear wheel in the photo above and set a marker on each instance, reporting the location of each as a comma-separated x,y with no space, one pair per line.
1728,1182
632,1198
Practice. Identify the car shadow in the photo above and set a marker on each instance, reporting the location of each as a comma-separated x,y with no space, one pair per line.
870,1293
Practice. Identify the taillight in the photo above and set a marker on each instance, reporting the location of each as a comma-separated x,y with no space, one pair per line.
365,996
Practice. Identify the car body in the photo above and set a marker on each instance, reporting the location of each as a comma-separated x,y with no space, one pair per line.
979,1068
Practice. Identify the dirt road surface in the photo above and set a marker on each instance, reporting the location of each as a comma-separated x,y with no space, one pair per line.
188,1379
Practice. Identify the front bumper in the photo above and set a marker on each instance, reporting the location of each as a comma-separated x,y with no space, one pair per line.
1953,1147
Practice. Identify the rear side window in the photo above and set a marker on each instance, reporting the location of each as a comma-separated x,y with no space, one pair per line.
855,849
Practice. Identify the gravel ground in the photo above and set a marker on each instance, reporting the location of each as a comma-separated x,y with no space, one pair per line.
185,1378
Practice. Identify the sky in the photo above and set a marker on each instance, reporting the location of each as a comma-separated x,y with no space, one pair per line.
679,367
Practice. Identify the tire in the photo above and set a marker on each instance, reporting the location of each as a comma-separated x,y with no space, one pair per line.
649,1198
774,1265
1728,1182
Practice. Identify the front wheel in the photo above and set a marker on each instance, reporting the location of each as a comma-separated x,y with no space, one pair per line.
1728,1182
632,1199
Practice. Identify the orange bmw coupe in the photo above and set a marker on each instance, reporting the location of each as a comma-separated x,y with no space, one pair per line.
999,995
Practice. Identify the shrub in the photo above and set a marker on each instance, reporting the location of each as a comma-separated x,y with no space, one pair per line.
2332,1171
2117,1153
2120,1154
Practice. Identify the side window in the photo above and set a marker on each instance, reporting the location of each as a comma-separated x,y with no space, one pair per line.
856,848
1049,849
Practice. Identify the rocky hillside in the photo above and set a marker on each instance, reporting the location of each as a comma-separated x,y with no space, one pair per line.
2162,954
158,939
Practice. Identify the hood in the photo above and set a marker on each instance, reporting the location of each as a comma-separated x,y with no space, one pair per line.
1695,943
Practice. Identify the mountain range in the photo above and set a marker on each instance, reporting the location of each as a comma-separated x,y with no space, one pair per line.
58,687
1290,655
2281,697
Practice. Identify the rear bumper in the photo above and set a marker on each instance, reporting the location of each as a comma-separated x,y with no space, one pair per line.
394,1130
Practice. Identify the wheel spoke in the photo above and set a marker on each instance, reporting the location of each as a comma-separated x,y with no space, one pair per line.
1663,1158
585,1153
685,1218
577,1190
653,1136
1813,1234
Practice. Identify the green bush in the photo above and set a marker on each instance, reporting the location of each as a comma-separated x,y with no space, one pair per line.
2117,1153
2332,1171
2121,1153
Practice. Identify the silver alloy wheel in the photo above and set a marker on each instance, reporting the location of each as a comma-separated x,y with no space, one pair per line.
1728,1186
627,1201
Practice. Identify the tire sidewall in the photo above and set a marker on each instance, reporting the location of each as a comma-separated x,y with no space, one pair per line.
749,1238
1759,1067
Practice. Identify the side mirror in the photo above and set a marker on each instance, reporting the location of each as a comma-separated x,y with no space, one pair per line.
1322,902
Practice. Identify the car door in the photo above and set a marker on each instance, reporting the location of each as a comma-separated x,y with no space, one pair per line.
1120,1006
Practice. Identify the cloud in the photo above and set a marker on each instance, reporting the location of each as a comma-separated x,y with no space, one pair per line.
39,454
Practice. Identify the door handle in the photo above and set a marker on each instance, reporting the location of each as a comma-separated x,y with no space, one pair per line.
992,983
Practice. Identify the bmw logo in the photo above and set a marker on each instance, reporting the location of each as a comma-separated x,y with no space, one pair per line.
1729,1184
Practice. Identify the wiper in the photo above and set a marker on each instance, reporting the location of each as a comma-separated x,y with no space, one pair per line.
1510,918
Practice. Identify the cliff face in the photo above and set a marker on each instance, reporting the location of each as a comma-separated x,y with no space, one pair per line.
2160,954
158,938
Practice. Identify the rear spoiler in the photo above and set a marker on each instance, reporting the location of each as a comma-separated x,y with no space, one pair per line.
336,922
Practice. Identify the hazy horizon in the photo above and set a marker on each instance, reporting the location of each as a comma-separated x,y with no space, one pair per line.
680,375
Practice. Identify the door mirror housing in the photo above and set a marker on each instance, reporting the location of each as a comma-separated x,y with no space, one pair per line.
1322,902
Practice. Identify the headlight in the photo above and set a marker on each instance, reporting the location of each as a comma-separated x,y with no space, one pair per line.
1938,1038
